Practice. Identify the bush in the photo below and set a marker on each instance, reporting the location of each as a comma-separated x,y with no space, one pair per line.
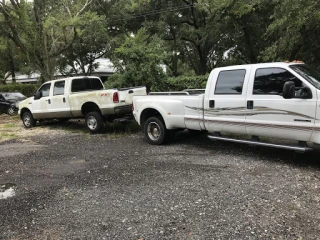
26,89
115,81
169,84
186,82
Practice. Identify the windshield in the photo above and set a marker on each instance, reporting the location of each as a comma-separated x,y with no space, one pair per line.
308,73
13,96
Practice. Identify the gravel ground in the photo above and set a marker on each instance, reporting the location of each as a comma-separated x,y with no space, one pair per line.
81,186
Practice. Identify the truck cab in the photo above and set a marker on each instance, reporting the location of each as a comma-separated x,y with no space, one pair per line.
250,99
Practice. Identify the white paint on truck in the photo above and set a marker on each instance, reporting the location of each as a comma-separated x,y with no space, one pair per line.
78,97
279,100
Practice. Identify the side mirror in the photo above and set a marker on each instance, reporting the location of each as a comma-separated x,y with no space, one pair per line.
288,91
38,95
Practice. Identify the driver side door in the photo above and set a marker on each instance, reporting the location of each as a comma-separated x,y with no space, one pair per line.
41,107
269,114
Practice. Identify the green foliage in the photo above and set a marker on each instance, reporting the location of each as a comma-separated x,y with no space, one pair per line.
169,84
117,80
294,32
92,43
186,82
189,37
139,61
26,89
42,30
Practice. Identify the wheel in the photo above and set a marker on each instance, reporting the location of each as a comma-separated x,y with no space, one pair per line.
11,110
155,131
28,120
94,122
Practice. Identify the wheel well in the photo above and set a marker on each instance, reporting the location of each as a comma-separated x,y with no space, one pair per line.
89,107
147,113
22,111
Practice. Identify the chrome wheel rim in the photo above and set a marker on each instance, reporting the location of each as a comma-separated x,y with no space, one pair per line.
11,111
92,123
153,131
27,120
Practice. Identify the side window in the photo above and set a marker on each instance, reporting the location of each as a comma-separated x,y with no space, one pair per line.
270,81
45,90
58,88
230,82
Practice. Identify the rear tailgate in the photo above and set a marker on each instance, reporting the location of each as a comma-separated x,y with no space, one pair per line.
126,94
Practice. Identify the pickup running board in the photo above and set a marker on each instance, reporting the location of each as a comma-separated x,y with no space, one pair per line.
255,142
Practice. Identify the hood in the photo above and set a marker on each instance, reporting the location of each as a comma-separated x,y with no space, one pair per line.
24,103
17,100
12,100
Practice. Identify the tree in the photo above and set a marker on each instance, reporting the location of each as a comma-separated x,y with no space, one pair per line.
42,29
184,23
242,26
294,32
139,61
92,43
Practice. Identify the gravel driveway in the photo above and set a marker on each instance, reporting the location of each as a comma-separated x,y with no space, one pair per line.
82,186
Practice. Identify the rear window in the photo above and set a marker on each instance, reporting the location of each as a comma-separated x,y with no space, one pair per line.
86,84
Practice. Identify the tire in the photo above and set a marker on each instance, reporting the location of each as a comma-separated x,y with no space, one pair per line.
28,120
11,110
155,131
94,122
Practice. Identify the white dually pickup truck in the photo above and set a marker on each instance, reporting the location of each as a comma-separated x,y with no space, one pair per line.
78,97
277,100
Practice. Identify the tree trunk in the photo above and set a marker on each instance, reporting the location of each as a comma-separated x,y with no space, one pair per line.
47,70
12,69
202,61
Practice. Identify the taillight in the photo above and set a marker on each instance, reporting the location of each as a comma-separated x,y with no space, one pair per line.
115,97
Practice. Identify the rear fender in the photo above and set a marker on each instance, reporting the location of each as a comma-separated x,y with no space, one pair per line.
171,111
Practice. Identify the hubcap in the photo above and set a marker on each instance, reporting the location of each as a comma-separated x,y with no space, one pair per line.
92,122
26,120
153,131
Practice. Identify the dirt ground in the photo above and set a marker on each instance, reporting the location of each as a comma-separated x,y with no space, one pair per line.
57,181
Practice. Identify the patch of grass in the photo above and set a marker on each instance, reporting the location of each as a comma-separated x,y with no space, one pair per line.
122,128
9,125
72,126
7,136
117,129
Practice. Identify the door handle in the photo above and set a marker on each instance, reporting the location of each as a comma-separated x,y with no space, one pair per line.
211,104
64,100
250,104
48,101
